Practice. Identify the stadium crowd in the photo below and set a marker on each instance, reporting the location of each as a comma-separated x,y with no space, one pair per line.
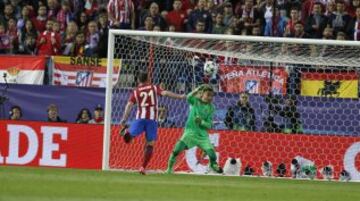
79,27
83,117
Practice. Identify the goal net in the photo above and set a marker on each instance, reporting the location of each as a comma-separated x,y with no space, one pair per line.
277,99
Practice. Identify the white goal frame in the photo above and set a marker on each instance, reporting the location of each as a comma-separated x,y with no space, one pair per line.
110,58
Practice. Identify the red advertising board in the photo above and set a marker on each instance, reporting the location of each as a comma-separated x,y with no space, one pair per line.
80,146
51,144
252,148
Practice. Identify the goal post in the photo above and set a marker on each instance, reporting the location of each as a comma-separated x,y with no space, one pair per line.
302,99
108,98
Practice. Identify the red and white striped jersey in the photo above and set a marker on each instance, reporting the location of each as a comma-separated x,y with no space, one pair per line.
121,10
146,98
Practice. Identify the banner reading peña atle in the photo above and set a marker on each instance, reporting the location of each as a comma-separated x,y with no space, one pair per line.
253,79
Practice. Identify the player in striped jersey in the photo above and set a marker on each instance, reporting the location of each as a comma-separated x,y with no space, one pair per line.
145,96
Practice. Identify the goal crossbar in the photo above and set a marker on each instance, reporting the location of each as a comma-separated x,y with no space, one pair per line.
234,38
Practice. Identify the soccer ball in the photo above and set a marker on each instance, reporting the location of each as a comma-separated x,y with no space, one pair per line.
210,68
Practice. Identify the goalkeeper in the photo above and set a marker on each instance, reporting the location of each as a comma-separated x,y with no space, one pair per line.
197,124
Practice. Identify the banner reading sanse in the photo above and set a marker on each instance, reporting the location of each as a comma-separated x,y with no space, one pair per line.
82,71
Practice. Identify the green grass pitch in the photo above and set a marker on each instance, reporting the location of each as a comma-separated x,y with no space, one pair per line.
47,184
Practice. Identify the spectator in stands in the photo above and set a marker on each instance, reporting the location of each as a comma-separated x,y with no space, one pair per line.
13,35
82,21
298,31
92,38
354,26
17,6
40,20
328,33
340,36
200,26
103,23
250,15
53,6
219,27
68,37
268,11
177,17
213,16
24,16
103,26
121,14
8,13
25,34
292,122
280,22
146,3
41,3
56,28
298,3
156,28
298,49
188,6
77,6
270,114
91,8
29,28
148,24
29,45
32,7
78,48
294,17
228,14
199,14
284,5
236,25
84,116
157,18
241,116
53,114
316,22
171,28
15,113
352,8
256,31
307,7
5,44
64,16
339,19
49,42
211,6
163,120
330,8
98,115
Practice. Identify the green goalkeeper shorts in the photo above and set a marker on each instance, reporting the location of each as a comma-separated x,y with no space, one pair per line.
192,140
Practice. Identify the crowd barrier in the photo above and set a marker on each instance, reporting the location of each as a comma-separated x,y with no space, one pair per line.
330,116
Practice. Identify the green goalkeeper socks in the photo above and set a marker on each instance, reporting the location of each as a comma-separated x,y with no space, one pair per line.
179,147
213,164
171,163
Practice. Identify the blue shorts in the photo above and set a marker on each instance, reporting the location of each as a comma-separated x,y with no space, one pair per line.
140,125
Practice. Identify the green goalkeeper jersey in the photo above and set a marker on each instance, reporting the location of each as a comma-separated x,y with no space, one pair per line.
205,111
